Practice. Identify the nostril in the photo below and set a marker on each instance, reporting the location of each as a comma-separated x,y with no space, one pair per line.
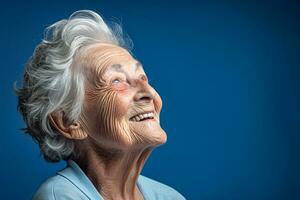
144,97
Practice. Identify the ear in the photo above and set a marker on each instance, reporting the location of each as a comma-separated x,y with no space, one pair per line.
69,130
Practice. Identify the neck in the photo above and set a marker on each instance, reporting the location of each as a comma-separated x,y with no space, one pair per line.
114,173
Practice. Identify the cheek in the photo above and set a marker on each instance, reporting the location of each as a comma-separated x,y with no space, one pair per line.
122,99
116,128
122,102
109,107
106,110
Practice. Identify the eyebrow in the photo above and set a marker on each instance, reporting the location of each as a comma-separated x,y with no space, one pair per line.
116,67
138,65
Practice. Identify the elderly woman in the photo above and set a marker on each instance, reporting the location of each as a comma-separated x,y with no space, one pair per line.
86,100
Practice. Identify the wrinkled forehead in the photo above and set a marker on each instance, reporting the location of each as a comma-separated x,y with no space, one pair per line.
97,58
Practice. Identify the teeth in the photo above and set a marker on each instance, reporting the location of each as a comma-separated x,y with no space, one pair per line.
143,116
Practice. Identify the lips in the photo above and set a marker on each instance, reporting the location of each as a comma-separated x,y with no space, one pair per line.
142,116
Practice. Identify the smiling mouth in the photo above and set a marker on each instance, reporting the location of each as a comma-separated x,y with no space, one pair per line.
142,117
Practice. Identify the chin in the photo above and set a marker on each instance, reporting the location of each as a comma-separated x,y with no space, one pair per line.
162,139
149,132
155,139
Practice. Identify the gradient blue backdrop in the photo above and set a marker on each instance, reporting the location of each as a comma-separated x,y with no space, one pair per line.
228,74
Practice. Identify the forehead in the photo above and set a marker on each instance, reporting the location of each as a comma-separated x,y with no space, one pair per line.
102,57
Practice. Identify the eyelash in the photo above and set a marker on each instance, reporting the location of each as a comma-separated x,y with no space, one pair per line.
143,77
116,79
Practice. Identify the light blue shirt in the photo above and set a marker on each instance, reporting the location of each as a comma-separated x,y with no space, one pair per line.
72,183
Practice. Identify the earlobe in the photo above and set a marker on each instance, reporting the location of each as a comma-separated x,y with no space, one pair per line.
69,130
76,131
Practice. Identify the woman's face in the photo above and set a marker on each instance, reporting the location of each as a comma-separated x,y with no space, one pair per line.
121,108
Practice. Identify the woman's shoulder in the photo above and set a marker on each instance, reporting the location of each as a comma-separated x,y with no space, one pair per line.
58,187
154,189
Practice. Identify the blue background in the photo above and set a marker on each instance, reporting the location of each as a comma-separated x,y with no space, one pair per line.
228,74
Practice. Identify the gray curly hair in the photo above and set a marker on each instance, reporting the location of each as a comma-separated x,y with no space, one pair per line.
51,83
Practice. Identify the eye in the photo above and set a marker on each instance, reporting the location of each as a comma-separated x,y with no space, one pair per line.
116,81
143,77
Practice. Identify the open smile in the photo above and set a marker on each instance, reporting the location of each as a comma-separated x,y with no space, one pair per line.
142,117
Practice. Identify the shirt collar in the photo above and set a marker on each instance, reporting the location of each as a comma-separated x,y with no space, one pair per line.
78,178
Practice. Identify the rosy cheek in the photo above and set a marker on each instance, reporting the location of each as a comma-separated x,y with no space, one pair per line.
123,98
122,103
120,86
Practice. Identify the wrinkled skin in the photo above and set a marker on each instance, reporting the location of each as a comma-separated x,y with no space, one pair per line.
110,105
116,147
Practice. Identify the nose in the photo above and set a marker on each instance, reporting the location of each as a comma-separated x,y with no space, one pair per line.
143,97
144,92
